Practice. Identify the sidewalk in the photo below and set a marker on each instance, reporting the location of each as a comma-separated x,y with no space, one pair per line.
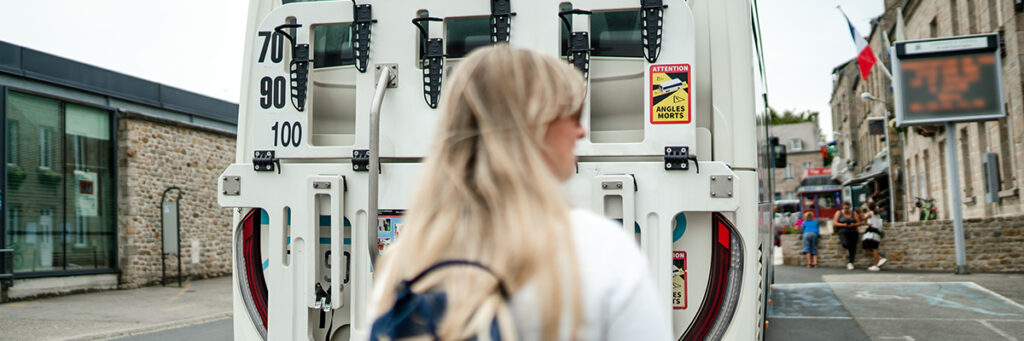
116,313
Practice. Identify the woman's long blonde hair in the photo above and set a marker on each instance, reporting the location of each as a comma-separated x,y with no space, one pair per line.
486,194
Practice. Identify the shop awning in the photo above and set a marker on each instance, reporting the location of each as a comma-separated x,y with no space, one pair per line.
879,166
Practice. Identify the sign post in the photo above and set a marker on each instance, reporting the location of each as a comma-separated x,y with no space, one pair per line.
945,81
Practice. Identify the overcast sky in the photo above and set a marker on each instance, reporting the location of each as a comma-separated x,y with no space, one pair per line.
197,44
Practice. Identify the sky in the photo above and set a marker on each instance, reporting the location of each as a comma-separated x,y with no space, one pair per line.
197,45
803,41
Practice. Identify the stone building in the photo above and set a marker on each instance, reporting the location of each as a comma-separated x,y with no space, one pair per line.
925,150
918,153
803,152
88,155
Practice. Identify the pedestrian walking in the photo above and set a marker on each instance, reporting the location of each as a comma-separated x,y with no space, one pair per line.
872,238
810,238
846,223
490,247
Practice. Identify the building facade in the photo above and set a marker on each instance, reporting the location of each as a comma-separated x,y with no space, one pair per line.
802,153
89,154
919,153
925,149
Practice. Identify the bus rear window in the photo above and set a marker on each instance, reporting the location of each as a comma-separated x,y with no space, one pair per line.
462,35
616,34
332,46
612,34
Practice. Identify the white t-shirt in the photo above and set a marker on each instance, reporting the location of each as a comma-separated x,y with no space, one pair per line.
618,297
875,221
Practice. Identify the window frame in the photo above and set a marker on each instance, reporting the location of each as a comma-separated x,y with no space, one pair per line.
114,121
796,144
46,147
315,45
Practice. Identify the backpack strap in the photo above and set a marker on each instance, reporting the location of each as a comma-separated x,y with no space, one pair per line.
502,289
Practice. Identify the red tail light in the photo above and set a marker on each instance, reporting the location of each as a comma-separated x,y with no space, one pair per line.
250,270
720,299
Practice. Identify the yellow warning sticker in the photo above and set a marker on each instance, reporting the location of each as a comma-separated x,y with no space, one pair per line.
678,280
670,94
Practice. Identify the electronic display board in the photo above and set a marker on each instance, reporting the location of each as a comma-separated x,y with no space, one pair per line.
952,79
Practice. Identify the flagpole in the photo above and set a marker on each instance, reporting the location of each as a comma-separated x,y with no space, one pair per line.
885,70
886,43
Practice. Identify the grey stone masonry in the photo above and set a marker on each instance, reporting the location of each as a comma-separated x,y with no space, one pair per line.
153,156
992,245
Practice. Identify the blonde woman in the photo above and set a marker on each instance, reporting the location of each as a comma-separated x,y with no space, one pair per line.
526,265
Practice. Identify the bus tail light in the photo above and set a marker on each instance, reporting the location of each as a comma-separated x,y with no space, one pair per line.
249,265
726,275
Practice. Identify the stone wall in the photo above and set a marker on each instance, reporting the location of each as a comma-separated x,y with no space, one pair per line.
992,245
153,156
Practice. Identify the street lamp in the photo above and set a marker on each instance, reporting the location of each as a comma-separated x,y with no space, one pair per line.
866,96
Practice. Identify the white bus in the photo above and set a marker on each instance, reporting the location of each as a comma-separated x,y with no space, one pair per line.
338,108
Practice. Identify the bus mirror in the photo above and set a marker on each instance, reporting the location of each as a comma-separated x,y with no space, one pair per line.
778,152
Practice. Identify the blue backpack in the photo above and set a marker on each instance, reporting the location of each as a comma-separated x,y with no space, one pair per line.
418,314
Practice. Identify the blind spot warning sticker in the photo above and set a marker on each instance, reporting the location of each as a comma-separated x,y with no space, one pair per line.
678,280
670,94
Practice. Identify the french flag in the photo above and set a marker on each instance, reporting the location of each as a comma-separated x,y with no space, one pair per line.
865,56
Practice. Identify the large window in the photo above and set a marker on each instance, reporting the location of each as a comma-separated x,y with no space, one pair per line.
612,34
332,46
466,34
60,193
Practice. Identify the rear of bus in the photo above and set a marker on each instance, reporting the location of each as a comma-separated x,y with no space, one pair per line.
676,149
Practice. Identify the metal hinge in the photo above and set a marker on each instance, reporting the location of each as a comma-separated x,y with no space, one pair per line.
264,161
651,19
579,43
501,20
433,62
361,160
678,158
361,34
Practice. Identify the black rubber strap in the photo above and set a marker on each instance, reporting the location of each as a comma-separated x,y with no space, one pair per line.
502,289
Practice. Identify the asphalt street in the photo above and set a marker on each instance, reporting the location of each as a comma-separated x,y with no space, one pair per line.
211,331
836,304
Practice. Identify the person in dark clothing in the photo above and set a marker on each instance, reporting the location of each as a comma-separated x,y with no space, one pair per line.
846,223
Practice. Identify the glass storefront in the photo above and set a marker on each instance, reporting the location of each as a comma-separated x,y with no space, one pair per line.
60,191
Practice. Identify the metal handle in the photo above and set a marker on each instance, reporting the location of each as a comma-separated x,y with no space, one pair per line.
371,207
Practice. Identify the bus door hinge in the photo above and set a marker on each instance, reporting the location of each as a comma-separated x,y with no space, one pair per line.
363,15
432,61
298,68
678,158
361,160
501,21
651,18
579,43
264,161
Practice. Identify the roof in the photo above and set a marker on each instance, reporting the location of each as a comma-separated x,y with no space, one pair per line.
806,131
45,67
